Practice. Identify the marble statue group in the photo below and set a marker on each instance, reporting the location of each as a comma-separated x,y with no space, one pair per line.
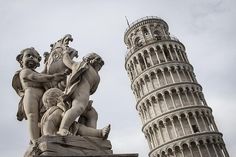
55,102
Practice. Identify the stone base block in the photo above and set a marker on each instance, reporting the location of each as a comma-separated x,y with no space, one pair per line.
70,146
114,155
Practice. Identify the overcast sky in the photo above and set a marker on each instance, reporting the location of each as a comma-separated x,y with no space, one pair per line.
205,27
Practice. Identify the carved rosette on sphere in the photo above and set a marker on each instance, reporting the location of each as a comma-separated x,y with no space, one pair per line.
177,122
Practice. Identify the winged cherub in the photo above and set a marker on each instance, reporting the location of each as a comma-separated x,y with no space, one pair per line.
29,84
82,83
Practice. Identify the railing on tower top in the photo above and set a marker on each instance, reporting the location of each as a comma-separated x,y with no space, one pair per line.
139,20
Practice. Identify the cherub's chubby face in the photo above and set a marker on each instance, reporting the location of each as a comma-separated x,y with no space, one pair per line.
98,62
30,59
95,60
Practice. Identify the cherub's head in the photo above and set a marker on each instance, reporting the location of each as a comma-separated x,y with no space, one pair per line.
95,60
29,58
51,97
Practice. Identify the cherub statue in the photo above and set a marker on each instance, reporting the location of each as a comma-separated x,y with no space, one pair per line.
82,83
30,86
56,108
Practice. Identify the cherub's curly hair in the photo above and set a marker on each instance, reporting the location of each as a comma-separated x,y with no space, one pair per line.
92,57
52,96
20,56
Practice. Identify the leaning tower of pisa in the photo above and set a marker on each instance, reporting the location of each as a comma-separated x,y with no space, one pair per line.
177,122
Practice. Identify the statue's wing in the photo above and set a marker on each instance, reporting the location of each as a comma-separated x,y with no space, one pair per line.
21,112
16,84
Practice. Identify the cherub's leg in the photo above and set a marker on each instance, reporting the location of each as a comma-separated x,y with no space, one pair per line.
78,107
31,110
88,131
92,118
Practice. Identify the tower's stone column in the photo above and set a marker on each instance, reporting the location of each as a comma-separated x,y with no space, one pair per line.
176,119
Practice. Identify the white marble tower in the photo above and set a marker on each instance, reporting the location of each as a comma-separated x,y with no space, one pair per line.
177,122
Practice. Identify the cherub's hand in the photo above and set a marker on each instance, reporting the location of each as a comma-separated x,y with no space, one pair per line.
72,53
67,71
59,76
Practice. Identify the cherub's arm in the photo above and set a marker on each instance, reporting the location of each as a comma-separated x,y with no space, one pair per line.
94,88
31,75
44,71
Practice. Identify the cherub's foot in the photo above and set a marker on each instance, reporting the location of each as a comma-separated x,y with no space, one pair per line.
35,149
64,132
33,142
106,131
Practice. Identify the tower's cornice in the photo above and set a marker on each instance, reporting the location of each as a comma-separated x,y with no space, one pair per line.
143,21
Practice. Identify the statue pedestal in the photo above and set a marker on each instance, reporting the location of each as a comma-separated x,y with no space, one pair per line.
114,155
69,146
76,146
